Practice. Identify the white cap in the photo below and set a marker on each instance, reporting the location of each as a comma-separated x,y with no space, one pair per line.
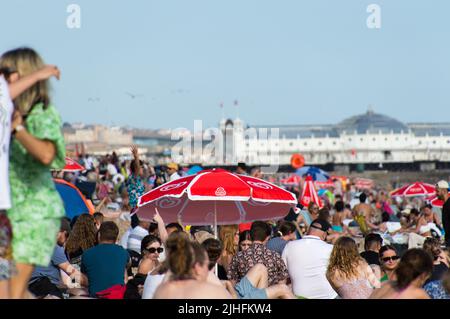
407,210
442,184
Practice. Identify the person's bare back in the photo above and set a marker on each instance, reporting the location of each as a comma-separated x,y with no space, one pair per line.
191,289
338,218
388,292
363,209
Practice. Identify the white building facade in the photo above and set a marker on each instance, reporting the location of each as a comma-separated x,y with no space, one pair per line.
367,138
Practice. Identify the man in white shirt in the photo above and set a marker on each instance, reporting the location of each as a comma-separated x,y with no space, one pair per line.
136,236
307,262
172,171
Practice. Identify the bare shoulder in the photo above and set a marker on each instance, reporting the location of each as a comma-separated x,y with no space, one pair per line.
166,291
383,292
419,293
206,290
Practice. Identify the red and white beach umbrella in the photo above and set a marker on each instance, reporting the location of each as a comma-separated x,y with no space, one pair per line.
293,180
415,189
71,166
364,183
328,184
309,193
216,197
436,202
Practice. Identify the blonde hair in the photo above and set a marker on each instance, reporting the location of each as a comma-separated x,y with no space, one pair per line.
226,235
25,61
344,259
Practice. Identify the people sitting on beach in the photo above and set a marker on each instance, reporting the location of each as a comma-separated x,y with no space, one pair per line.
172,227
47,281
348,273
412,272
104,266
255,285
82,237
150,250
137,234
99,218
188,272
258,253
440,264
229,237
372,245
285,232
439,289
214,249
307,216
307,261
389,260
245,240
364,215
338,217
426,222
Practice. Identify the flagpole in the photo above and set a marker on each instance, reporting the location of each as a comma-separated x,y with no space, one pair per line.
223,110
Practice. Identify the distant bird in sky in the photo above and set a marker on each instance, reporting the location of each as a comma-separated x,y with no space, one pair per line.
179,91
133,96
94,99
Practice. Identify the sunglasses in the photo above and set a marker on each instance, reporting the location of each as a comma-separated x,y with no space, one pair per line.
393,258
246,245
7,71
153,250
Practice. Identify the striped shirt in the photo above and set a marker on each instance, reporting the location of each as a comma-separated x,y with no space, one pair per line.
135,238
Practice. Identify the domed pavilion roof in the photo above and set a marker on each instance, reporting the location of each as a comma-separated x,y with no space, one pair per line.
371,122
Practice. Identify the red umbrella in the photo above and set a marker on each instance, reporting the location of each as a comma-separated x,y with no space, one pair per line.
436,202
216,197
293,180
309,193
72,166
329,183
415,189
364,183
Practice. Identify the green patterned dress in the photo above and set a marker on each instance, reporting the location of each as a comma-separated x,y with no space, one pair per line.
37,207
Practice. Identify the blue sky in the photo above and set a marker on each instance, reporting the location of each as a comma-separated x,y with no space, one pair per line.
285,61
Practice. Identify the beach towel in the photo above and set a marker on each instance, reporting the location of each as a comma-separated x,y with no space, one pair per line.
115,292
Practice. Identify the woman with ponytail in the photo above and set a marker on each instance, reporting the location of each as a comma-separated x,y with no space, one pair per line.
413,270
188,272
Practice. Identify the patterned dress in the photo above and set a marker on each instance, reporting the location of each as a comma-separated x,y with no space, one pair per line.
135,188
37,207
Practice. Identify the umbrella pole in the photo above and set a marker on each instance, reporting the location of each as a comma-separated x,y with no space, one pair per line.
216,268
215,219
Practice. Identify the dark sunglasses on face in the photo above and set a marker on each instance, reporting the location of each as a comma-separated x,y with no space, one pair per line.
7,71
153,250
246,245
393,258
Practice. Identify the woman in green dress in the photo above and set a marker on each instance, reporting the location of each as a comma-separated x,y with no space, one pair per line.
36,147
